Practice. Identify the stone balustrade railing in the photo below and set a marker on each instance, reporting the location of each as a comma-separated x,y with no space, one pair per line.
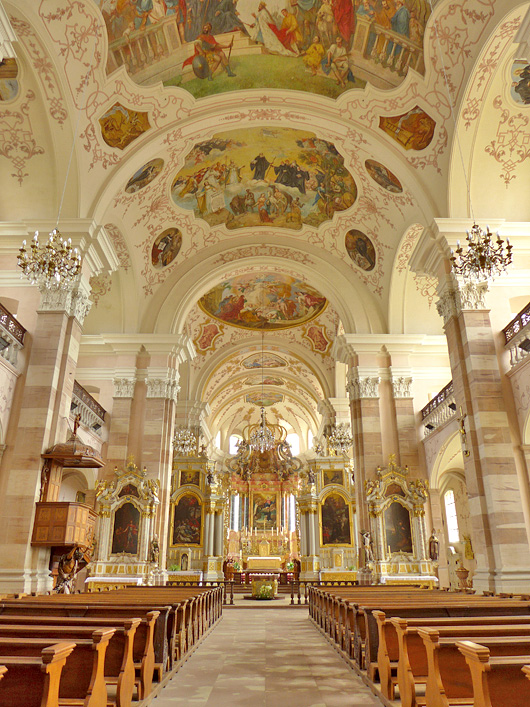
385,48
11,336
517,336
92,414
439,410
142,48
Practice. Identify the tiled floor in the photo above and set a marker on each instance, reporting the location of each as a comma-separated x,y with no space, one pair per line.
266,657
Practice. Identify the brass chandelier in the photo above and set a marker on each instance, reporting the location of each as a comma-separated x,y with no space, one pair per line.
484,259
261,438
339,438
52,265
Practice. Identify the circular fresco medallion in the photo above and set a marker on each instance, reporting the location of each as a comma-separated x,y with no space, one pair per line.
383,176
360,249
267,380
142,177
166,247
268,301
8,80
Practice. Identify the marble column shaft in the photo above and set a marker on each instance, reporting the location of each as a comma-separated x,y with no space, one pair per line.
499,532
368,448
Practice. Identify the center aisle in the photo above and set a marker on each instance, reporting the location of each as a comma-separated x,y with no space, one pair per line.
265,657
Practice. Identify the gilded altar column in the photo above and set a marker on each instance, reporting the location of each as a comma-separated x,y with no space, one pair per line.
44,409
495,494
310,544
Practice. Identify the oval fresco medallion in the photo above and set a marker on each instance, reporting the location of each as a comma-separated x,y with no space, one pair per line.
255,177
145,175
265,399
383,176
360,249
520,84
267,301
267,380
8,80
259,360
166,247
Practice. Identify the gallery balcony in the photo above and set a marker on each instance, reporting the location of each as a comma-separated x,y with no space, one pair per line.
439,410
517,336
12,335
92,414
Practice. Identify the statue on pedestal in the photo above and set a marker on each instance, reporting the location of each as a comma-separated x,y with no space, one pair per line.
434,546
367,546
155,550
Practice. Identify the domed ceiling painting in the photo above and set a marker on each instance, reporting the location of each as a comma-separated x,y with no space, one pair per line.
264,177
269,301
210,47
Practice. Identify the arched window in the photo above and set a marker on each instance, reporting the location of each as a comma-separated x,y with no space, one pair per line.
233,442
452,519
294,441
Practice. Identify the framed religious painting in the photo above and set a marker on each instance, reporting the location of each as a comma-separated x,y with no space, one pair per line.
126,529
186,526
335,520
264,510
398,530
190,477
332,476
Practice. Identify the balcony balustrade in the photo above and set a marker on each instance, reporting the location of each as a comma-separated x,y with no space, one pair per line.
439,410
12,335
517,336
92,414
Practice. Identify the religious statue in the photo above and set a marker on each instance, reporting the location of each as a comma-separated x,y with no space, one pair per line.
155,550
468,548
434,546
69,565
184,563
367,546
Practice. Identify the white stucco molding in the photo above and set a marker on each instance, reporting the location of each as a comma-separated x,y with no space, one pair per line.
7,36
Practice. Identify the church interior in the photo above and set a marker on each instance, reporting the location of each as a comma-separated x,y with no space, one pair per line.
264,349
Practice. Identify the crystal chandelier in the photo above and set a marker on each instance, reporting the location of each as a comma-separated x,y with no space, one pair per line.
184,442
339,438
262,437
484,259
53,265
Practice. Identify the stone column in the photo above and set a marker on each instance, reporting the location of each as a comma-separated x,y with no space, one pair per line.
366,423
45,403
406,424
499,533
308,505
118,444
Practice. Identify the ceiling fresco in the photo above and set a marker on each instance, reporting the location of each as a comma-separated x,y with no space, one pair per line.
360,249
260,360
267,380
166,247
264,177
413,130
383,176
209,48
264,399
520,89
145,175
9,84
120,126
269,301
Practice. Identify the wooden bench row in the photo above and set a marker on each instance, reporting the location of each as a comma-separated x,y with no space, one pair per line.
103,652
434,648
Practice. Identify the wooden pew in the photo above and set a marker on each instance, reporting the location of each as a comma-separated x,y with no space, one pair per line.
449,680
33,681
498,681
118,666
413,666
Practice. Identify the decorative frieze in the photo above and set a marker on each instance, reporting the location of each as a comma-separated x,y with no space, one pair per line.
402,387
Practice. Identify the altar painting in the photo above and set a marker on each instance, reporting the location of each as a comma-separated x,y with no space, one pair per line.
264,510
268,301
253,177
187,521
192,477
335,520
397,528
126,527
332,476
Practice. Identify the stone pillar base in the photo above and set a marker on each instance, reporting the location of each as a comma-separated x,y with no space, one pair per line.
516,581
213,569
310,567
25,581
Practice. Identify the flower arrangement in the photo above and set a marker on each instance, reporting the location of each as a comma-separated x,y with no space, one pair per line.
265,592
289,566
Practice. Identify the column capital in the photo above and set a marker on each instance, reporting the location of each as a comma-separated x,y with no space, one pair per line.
401,386
162,388
457,296
75,302
362,387
124,387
